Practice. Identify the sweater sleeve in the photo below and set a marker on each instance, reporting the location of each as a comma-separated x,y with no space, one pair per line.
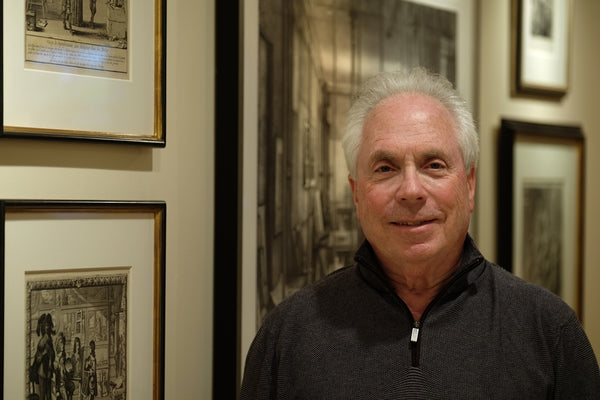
257,382
577,374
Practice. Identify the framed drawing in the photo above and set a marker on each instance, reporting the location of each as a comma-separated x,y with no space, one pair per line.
292,210
90,70
83,294
541,32
540,206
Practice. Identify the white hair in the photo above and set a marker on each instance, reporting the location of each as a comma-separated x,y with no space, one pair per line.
420,81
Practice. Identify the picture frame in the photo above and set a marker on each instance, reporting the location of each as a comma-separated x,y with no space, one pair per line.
541,36
80,78
541,184
240,212
61,248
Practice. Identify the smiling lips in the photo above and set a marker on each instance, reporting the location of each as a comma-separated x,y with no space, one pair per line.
412,223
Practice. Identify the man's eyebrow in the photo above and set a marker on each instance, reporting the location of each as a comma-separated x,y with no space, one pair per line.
432,154
382,155
385,155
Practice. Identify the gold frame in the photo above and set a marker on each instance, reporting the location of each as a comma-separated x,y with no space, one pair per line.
114,129
63,213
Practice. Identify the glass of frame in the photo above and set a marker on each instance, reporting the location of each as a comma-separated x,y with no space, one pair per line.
92,70
540,206
541,36
281,164
83,281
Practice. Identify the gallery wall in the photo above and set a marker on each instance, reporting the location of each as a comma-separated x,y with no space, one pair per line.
182,174
578,107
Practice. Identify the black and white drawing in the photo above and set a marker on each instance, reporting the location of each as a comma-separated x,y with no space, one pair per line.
540,47
542,12
88,35
312,56
540,190
76,335
542,234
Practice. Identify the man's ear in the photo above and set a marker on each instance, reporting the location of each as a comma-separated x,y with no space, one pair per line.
471,183
353,188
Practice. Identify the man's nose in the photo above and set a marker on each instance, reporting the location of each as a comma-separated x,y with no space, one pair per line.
410,187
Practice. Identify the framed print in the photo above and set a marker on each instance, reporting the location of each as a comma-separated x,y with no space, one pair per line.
84,299
540,206
300,64
541,32
89,70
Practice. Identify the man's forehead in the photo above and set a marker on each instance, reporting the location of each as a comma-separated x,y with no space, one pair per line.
410,100
435,150
410,110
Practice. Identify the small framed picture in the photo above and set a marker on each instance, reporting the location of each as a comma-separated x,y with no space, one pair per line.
540,206
84,293
541,32
85,70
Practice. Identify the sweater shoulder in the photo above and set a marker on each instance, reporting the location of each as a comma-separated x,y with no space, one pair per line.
520,295
340,286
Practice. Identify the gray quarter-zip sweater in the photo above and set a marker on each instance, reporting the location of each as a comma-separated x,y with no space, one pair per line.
487,335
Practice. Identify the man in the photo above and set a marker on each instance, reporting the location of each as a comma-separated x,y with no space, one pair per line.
66,13
421,314
92,12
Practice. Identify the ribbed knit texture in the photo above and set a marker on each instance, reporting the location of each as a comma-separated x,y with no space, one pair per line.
489,335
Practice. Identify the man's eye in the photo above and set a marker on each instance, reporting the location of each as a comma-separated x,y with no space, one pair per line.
384,168
436,165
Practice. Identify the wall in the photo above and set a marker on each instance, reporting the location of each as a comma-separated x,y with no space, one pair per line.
182,174
579,106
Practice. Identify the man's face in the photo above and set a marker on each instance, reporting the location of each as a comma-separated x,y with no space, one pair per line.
412,194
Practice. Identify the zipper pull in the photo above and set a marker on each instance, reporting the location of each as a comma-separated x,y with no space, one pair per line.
415,345
414,336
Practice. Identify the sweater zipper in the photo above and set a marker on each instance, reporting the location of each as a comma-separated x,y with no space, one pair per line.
415,344
415,335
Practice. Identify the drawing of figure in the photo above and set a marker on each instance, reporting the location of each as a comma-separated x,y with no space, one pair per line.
66,13
77,358
63,370
90,379
41,370
93,11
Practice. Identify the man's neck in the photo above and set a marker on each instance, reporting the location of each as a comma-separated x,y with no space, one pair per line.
417,287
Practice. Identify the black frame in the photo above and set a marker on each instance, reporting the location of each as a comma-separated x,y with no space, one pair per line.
510,130
156,139
227,232
229,146
158,209
519,85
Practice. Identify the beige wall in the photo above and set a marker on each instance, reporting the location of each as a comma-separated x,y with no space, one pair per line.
182,174
580,106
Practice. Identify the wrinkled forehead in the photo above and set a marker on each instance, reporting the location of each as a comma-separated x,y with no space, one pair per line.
410,112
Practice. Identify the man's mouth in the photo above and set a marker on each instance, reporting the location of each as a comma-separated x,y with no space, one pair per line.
412,223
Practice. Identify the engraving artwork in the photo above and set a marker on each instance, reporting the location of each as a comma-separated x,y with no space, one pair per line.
87,35
76,335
